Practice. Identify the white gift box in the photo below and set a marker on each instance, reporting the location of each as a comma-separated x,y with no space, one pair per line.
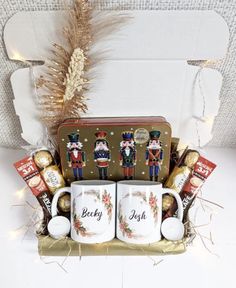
145,73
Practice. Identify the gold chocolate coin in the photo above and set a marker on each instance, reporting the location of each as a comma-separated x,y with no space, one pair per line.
43,158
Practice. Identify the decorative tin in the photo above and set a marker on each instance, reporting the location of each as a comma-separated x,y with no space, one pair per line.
115,148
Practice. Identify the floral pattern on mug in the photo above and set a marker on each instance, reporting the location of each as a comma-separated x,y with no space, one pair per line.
153,205
124,227
78,224
94,193
142,195
80,229
106,200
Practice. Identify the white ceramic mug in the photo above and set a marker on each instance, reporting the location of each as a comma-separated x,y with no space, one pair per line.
139,211
92,210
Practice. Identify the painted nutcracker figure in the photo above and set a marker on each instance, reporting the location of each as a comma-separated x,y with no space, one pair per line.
101,154
154,155
128,155
75,156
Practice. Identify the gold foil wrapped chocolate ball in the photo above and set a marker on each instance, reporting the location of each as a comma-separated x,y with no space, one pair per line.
167,202
191,159
64,203
53,178
43,158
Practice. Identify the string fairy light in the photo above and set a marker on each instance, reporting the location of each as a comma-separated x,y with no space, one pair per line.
45,139
35,217
196,228
209,120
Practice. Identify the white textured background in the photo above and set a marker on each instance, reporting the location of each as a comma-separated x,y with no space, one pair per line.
225,124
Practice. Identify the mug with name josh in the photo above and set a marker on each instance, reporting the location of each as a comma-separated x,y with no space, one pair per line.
139,211
92,210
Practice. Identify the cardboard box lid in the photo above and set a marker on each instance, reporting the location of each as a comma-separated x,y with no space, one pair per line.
136,79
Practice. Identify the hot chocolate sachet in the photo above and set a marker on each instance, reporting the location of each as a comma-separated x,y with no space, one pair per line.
202,169
31,175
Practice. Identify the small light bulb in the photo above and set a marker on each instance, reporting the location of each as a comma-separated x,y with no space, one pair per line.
14,234
17,56
209,120
20,193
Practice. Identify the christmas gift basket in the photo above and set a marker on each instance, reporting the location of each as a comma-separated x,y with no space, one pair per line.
106,185
96,202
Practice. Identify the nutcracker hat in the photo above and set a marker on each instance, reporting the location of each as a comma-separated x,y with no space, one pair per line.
154,135
127,135
73,137
101,134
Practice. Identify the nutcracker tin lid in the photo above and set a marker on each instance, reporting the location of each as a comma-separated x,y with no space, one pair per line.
149,139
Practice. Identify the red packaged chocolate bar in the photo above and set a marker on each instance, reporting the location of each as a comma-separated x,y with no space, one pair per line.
201,171
31,175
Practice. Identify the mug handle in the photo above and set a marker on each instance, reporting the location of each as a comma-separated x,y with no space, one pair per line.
180,211
56,198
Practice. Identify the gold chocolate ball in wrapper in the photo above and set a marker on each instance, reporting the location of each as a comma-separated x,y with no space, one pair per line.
167,202
53,178
191,159
43,158
64,203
